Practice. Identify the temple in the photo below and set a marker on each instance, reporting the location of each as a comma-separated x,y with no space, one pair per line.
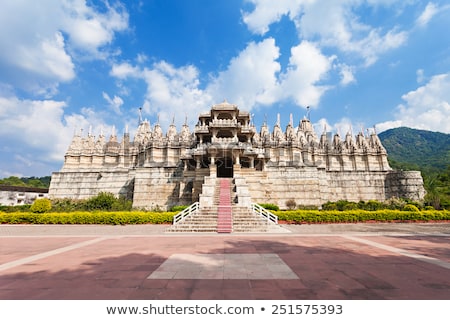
161,170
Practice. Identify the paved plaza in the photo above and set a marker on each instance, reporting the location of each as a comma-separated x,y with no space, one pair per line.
341,261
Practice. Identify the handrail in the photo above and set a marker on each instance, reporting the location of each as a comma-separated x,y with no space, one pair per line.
266,214
183,214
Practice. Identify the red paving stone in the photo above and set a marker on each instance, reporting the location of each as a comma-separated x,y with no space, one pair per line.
436,247
328,267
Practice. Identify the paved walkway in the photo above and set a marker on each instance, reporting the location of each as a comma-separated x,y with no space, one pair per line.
344,261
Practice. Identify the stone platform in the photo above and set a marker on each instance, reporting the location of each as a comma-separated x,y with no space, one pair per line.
355,261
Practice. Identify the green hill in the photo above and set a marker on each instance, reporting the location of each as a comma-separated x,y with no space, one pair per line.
427,151
417,149
35,182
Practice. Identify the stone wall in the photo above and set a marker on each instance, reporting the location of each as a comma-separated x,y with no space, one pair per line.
310,186
405,184
86,184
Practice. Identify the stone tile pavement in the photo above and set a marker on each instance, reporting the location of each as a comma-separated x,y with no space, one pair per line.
355,261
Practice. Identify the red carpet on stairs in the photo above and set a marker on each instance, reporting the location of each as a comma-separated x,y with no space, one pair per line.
224,218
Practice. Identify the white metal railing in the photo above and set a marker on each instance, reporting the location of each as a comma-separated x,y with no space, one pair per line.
183,214
266,214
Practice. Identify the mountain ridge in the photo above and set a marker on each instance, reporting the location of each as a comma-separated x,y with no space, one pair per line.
410,148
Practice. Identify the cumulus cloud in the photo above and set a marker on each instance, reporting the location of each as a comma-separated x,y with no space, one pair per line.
251,77
89,29
171,92
307,67
37,132
44,39
266,12
427,107
333,24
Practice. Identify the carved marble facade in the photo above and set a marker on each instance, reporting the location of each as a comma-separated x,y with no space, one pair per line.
165,169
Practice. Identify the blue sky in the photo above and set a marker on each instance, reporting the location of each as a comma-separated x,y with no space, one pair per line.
73,64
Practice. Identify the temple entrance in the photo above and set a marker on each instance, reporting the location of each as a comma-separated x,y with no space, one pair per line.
224,168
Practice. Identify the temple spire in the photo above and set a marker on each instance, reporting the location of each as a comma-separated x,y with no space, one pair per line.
140,115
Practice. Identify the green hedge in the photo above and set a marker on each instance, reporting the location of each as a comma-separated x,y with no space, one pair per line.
123,217
316,216
297,216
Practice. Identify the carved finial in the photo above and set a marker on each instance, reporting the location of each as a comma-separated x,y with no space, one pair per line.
101,131
291,120
265,119
308,112
126,129
278,119
113,131
185,119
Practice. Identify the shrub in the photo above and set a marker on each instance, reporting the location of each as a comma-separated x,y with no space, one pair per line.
177,208
291,204
83,217
103,201
395,203
333,216
410,207
122,204
270,206
329,206
41,205
22,208
373,205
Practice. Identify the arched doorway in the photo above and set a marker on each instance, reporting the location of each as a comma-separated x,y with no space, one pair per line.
224,167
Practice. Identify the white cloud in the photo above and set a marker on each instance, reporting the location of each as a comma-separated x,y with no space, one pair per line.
427,107
171,92
114,103
267,12
430,10
347,75
89,29
332,24
250,77
307,67
36,133
420,76
44,38
125,70
36,124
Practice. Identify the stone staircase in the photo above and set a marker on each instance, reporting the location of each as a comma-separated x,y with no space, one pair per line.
225,207
224,210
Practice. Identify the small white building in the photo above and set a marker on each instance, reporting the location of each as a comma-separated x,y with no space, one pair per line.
16,195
